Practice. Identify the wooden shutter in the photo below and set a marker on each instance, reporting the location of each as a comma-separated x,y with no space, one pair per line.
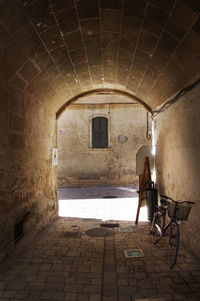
99,132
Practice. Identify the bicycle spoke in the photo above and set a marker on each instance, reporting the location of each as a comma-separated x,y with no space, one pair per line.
174,237
155,229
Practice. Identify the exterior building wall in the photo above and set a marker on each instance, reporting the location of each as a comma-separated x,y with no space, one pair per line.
82,165
177,132
28,181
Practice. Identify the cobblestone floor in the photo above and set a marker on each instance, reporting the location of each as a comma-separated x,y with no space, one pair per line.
63,263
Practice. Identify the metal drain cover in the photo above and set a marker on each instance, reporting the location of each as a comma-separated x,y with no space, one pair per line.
99,232
109,197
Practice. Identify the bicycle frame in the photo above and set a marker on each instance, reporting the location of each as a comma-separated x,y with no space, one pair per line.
165,227
163,212
159,228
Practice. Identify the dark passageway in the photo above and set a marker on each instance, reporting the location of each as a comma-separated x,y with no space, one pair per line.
52,54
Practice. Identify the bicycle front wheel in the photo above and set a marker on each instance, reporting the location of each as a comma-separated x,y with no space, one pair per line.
155,230
174,238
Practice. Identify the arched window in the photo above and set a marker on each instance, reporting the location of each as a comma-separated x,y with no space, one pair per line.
99,132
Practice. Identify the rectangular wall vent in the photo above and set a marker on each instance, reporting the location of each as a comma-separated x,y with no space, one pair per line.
19,231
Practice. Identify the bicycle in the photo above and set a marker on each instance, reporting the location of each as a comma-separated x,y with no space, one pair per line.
177,212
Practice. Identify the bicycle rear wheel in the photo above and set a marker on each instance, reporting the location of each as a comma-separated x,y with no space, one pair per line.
155,230
174,238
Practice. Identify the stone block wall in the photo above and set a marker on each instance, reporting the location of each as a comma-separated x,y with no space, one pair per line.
177,132
28,181
82,165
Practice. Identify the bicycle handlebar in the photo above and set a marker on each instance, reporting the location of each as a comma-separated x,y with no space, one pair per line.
182,202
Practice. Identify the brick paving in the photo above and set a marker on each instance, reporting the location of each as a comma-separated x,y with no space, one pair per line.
57,266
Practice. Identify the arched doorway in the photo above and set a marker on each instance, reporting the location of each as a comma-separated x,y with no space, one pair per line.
84,165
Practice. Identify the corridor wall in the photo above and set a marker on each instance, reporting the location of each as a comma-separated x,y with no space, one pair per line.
177,132
28,181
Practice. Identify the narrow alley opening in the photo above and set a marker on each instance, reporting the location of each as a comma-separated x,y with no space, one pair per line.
104,203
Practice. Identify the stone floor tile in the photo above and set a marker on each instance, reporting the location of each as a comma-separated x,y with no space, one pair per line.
82,297
95,297
195,287
56,279
109,268
180,288
19,267
96,281
3,285
167,297
9,294
109,275
45,267
110,290
124,298
90,289
16,285
57,296
122,282
70,297
53,287
74,288
46,295
94,275
122,269
127,290
97,269
57,267
82,280
33,295
140,275
8,299
22,294
84,268
108,298
34,286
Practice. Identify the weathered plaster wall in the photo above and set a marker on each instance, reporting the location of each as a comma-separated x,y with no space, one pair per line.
28,181
80,165
178,159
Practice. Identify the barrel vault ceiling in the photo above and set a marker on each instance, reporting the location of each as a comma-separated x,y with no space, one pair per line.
58,49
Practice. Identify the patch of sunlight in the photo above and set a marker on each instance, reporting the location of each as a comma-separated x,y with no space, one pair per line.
126,189
105,209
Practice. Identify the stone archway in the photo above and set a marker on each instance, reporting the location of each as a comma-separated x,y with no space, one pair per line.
52,51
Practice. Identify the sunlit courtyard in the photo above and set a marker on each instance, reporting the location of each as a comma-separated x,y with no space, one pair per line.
119,203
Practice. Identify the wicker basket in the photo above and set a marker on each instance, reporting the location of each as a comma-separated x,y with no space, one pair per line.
182,211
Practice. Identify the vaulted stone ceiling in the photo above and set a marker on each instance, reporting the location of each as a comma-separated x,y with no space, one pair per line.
58,49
